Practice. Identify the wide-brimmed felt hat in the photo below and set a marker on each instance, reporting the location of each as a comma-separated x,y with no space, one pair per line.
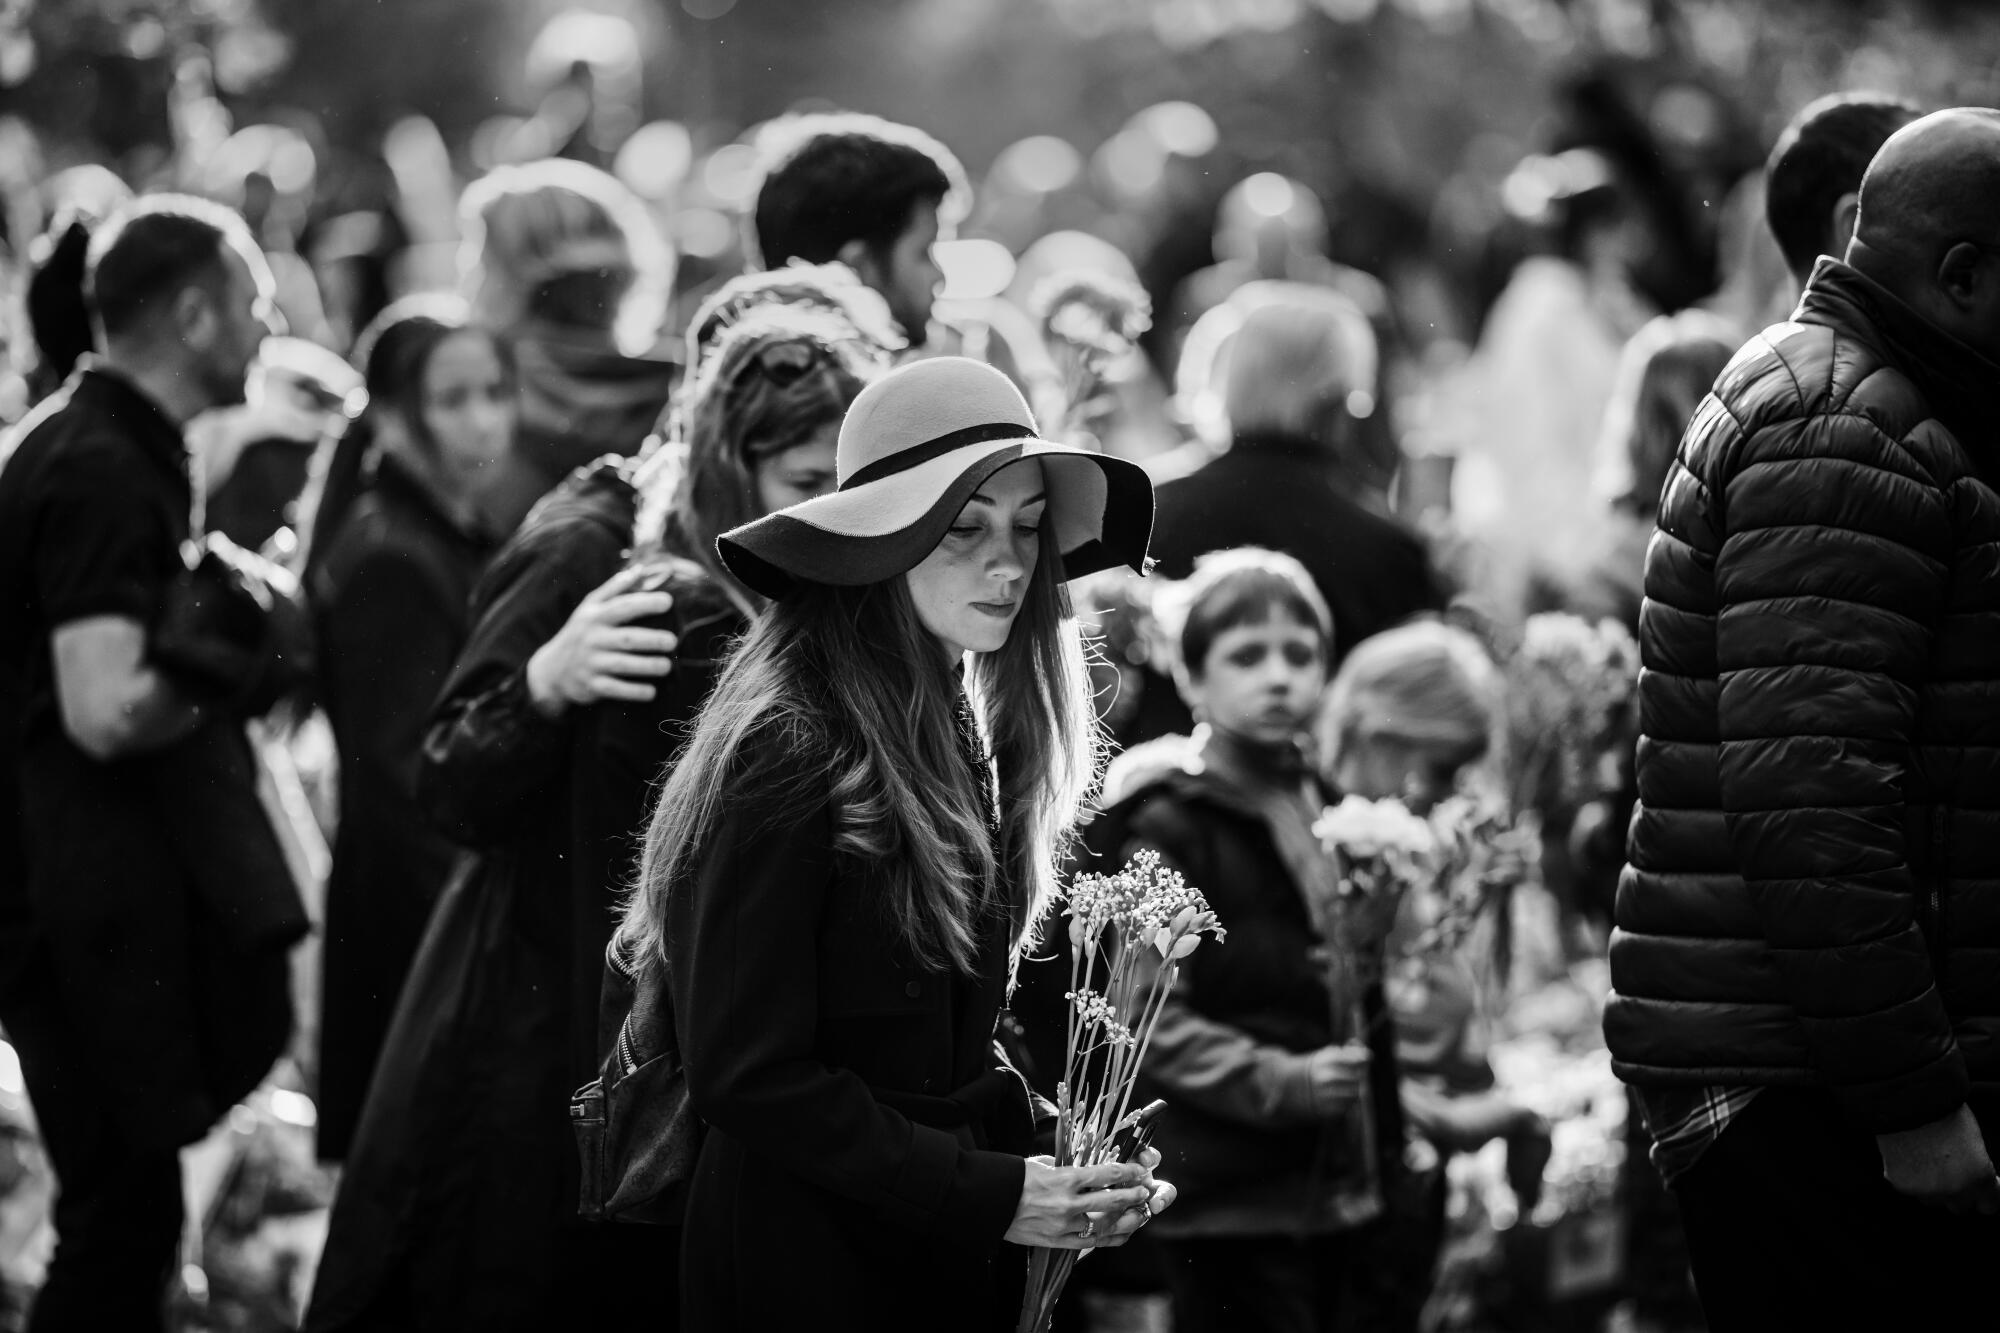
914,446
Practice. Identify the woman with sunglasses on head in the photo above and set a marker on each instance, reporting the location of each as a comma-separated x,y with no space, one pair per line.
857,839
458,1205
760,420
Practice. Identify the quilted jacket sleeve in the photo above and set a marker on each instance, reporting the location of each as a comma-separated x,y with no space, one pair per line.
1831,550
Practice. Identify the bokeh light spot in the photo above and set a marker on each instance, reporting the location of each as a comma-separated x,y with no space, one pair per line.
1041,164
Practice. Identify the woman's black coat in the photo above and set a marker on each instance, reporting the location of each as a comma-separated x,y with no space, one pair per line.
864,1152
390,603
453,1207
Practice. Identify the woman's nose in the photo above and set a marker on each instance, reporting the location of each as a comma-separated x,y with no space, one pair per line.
1005,562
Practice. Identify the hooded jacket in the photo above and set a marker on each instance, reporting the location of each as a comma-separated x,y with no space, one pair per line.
1251,1149
1813,887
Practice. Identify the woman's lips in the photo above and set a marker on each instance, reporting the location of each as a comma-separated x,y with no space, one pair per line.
998,610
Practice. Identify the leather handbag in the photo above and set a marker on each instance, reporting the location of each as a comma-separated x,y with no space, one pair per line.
637,1134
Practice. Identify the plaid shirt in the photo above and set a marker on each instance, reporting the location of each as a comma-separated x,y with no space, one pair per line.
1684,1121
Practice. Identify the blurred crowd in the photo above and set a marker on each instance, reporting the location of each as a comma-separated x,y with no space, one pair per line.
358,577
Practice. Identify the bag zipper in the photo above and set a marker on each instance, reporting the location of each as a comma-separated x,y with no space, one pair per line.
628,1059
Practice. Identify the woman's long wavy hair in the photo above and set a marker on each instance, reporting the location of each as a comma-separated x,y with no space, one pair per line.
846,684
735,416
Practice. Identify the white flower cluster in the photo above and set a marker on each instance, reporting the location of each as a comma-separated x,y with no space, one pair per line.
1142,900
1360,829
1096,1011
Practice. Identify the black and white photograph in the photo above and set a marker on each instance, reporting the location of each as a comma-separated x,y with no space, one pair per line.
999,666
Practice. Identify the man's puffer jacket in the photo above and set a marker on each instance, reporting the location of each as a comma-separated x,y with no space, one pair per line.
1813,894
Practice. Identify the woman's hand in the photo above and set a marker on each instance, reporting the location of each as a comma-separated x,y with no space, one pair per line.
1087,1207
1339,1075
599,654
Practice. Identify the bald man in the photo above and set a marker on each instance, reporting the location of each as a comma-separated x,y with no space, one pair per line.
1806,969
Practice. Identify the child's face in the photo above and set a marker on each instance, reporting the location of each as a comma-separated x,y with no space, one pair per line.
1260,682
1419,773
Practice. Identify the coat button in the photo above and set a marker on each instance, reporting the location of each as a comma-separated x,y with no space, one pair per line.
914,989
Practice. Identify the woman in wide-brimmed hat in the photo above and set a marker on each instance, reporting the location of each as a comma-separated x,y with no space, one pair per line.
860,833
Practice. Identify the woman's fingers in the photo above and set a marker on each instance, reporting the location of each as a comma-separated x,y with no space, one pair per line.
624,691
632,664
634,606
1107,1175
1112,1201
638,639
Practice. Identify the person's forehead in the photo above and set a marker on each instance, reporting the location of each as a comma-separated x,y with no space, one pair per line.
1274,621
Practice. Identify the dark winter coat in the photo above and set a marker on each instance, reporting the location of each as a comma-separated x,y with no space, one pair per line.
1244,1140
864,1152
390,601
1288,495
455,1199
1814,888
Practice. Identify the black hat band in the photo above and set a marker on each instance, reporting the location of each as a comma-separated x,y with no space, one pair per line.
919,454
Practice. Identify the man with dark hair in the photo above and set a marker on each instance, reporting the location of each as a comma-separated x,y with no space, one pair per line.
1813,176
138,1015
1805,996
874,195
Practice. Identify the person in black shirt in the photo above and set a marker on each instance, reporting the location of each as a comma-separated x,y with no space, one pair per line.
139,1012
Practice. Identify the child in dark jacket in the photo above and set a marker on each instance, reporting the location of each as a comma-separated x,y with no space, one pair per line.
1267,1102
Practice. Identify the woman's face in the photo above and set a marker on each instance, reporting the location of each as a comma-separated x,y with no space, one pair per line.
800,473
969,590
1260,682
1418,772
468,402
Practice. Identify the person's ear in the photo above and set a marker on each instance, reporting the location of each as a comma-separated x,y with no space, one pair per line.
194,317
1846,210
860,256
1189,686
1960,275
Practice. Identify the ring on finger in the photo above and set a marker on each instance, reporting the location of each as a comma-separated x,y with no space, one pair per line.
1089,1228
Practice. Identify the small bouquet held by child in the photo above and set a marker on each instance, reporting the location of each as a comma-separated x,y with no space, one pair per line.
1379,851
1128,935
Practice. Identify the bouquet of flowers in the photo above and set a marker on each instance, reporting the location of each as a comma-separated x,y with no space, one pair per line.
1090,323
1570,688
1380,851
1128,934
1482,851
